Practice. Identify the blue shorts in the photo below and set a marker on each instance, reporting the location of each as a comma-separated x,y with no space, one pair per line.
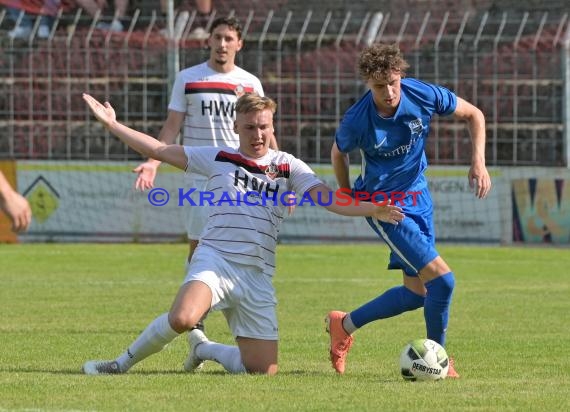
412,241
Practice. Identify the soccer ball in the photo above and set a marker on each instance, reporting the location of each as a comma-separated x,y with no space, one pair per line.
424,360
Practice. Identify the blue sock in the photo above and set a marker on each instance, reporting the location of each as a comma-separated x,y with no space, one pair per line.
391,303
436,307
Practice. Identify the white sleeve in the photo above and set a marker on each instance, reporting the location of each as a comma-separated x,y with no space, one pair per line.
302,177
200,159
178,96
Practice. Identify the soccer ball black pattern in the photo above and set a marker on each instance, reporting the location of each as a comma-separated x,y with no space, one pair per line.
424,360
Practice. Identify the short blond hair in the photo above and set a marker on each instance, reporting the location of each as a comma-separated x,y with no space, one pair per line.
253,102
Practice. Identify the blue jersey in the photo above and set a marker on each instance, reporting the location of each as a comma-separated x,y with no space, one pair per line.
393,156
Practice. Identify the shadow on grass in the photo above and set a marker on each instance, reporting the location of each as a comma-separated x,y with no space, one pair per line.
78,371
297,373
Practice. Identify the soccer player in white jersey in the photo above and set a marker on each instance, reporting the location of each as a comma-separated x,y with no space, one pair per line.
202,104
234,263
390,124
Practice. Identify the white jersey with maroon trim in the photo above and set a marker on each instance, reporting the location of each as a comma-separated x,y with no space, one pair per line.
208,98
247,200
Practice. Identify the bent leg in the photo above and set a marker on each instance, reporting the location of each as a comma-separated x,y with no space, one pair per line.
258,355
394,301
246,296
439,282
192,302
153,339
411,245
250,356
226,355
192,245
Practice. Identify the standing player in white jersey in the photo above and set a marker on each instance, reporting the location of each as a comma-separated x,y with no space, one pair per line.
233,265
203,104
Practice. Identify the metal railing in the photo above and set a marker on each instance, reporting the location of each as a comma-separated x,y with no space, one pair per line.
514,66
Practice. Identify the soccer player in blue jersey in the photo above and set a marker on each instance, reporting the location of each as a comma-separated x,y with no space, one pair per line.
389,124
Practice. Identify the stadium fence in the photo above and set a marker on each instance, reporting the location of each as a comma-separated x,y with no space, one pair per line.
514,65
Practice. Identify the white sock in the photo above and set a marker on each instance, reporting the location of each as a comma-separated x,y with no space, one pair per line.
153,339
348,325
227,356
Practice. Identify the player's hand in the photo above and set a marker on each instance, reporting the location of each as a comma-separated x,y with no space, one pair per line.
479,180
146,175
291,202
104,113
18,210
389,214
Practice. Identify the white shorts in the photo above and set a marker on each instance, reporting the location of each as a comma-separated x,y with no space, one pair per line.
243,293
195,216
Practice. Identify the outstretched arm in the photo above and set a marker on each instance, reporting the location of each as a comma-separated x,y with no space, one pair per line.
340,165
479,178
347,206
168,133
140,142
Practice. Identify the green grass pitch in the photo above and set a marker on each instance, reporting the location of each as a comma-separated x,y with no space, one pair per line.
61,305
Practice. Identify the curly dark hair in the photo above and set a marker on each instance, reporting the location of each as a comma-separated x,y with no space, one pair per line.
378,60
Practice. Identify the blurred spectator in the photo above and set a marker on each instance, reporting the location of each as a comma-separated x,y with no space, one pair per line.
184,8
24,12
94,6
203,13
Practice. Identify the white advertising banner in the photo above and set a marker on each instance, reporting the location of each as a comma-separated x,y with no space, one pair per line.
96,201
458,215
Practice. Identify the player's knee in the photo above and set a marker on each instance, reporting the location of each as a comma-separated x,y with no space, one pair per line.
262,369
183,321
259,362
446,283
